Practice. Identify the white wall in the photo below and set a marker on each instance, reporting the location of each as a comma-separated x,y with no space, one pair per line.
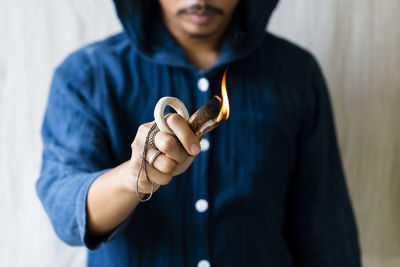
357,42
35,36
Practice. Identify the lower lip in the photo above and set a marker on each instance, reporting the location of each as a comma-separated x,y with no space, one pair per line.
201,19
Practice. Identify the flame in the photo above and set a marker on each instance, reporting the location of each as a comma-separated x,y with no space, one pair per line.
224,112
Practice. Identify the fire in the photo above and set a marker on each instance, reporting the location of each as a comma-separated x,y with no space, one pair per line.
224,112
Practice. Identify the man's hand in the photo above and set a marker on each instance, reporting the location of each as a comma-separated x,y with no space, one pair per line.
112,196
177,154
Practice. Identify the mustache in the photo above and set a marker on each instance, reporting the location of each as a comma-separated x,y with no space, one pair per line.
201,9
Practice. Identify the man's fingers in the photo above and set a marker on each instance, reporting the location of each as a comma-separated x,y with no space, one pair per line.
184,133
171,146
154,175
170,151
161,162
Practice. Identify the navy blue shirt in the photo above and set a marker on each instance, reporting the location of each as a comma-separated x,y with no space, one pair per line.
268,189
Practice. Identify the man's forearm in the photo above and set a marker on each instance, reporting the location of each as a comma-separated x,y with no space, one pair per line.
110,200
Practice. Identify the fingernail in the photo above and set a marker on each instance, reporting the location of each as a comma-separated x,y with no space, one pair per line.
195,148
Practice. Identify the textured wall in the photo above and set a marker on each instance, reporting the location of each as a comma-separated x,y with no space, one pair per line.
356,41
35,35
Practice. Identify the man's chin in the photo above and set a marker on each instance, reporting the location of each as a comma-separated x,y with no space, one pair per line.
199,35
199,32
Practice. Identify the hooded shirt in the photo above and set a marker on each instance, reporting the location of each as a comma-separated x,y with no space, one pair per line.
268,188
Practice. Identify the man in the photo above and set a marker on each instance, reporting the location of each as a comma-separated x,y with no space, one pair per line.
264,189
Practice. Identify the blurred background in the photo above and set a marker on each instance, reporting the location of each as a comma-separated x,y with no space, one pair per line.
357,42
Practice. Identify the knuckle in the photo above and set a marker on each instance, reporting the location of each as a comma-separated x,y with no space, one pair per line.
168,143
168,165
141,129
174,118
134,144
136,147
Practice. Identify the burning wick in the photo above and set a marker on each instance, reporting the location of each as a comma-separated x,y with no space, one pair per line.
205,119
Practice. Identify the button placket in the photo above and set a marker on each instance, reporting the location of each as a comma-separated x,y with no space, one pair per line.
199,201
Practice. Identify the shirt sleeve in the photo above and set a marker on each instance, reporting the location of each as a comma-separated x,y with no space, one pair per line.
320,225
76,150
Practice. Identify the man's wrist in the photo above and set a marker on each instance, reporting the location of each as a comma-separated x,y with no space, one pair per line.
125,175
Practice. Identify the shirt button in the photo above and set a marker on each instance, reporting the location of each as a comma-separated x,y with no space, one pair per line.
203,84
201,205
204,144
203,263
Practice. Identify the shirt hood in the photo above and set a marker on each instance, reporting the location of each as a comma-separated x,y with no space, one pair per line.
142,23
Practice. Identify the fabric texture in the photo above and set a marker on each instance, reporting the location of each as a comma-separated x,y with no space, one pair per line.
272,175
